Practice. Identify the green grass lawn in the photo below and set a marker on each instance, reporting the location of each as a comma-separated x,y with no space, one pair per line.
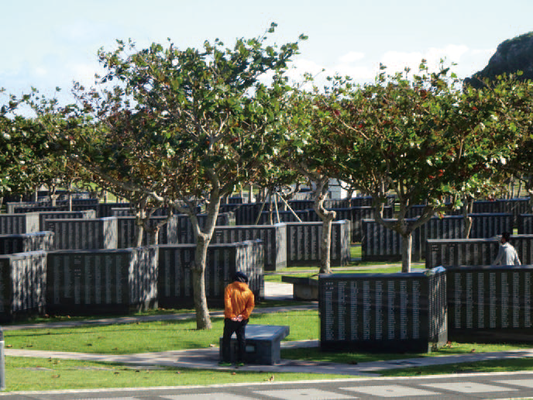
518,364
35,374
144,337
25,374
150,336
276,278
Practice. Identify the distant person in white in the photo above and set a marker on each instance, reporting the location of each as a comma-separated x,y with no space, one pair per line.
507,254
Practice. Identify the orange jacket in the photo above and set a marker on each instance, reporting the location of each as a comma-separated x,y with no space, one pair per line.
238,300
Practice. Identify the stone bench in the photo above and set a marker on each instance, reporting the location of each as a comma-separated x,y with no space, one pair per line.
262,344
302,288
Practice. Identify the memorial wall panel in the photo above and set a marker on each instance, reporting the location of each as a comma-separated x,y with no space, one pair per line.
490,225
490,304
26,242
515,206
383,312
274,238
22,285
449,252
105,210
168,233
303,243
382,244
524,247
12,224
525,224
485,207
82,282
44,215
84,234
284,216
223,260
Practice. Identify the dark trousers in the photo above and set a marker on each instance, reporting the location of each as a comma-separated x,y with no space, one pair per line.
240,330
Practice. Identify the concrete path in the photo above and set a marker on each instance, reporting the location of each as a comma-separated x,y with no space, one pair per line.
208,359
512,385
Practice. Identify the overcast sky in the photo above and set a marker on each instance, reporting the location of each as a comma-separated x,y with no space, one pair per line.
51,43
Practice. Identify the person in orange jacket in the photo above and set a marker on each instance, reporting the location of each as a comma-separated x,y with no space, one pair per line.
239,302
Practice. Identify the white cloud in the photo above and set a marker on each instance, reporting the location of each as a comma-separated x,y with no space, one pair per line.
84,72
347,66
396,61
486,52
351,57
363,69
40,71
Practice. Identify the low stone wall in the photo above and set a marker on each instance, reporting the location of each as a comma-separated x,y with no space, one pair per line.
22,285
13,224
102,281
382,244
449,252
168,234
490,304
403,312
274,238
44,215
223,260
303,243
26,242
525,224
84,234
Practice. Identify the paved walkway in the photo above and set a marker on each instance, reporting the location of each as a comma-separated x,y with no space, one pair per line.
208,359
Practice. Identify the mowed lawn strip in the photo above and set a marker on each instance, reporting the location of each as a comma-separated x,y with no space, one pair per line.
502,365
36,374
144,337
182,335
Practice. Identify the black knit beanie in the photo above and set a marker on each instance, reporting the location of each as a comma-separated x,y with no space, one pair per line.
240,277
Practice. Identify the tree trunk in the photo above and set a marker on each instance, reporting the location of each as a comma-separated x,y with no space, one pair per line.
203,320
154,236
251,194
277,209
260,212
140,217
70,197
468,226
407,241
139,231
53,196
203,238
467,210
325,242
327,218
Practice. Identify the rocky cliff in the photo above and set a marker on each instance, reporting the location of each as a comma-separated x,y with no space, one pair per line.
511,56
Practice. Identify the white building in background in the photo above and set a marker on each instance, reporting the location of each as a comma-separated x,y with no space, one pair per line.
336,191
